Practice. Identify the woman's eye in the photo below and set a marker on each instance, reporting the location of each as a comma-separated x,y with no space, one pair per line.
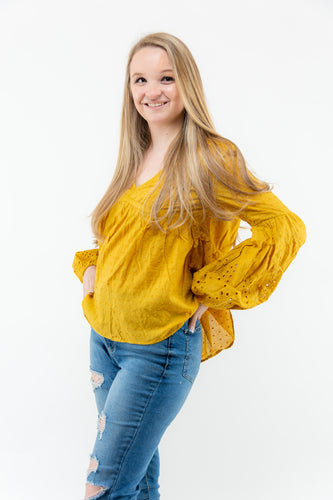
168,79
141,79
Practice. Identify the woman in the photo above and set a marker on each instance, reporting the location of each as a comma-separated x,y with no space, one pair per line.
159,287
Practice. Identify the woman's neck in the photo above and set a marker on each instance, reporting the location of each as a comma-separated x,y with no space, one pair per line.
162,136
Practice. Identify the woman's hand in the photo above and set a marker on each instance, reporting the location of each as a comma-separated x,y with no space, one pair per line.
197,315
89,280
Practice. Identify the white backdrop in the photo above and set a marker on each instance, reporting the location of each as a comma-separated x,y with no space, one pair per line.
258,422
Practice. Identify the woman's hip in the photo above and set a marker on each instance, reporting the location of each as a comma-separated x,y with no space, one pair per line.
177,357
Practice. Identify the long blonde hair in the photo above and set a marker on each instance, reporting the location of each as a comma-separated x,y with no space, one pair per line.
194,161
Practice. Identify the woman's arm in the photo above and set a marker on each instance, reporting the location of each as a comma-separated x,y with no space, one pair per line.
84,259
247,275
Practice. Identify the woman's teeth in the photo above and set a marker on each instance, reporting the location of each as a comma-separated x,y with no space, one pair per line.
158,105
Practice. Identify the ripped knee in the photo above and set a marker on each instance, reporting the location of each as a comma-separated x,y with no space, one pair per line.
96,379
101,424
93,491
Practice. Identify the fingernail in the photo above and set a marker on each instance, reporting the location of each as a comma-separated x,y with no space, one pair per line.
191,329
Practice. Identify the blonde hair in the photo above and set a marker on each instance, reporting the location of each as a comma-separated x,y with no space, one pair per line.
195,160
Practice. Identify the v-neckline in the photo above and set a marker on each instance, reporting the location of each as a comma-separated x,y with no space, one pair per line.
146,182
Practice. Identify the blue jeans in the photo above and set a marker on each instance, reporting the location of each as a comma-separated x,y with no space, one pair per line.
139,390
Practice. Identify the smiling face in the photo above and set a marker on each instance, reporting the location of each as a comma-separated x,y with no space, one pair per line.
153,87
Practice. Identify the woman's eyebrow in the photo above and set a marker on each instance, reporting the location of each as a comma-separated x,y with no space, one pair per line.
163,71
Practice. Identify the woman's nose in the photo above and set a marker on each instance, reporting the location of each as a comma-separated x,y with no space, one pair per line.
153,91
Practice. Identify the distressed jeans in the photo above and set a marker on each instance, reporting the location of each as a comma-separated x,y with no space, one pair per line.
139,390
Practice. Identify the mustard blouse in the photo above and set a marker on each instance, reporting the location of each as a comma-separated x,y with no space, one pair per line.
149,283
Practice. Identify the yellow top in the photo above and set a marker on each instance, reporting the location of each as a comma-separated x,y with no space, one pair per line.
149,283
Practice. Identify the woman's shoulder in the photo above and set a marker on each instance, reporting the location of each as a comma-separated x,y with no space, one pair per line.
223,144
226,157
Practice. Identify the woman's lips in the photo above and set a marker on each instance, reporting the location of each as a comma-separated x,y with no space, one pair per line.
155,105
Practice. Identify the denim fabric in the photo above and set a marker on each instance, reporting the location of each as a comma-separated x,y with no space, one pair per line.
139,390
